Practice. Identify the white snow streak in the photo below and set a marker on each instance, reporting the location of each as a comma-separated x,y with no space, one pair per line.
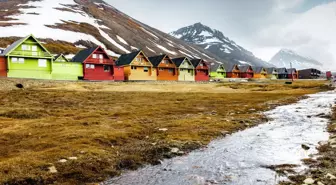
186,54
121,40
150,33
150,49
165,49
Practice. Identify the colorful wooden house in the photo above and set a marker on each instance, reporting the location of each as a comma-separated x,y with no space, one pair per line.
272,73
217,71
311,74
165,68
186,70
232,71
282,73
27,58
3,66
97,65
246,71
63,69
292,73
259,72
137,67
201,70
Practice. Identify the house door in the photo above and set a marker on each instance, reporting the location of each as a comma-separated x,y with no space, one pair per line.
34,50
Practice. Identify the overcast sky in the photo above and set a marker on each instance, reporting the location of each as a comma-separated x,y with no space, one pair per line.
261,26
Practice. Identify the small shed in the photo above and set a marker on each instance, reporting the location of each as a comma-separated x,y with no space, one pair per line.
137,67
166,70
217,71
246,71
63,69
201,70
186,70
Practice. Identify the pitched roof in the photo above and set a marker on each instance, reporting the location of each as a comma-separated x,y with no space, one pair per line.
196,62
214,66
60,55
282,70
244,68
291,70
13,46
257,69
126,59
271,70
156,60
179,61
229,67
82,55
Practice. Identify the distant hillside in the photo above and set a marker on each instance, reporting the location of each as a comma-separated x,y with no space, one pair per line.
215,42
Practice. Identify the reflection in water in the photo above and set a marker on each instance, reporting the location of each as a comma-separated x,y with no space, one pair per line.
238,159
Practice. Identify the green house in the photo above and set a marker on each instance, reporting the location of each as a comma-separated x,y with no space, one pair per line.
27,58
63,69
217,71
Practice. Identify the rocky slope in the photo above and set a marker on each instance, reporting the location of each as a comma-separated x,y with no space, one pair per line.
65,26
286,57
215,42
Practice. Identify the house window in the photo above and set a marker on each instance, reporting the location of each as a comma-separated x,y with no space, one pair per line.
21,60
166,62
133,67
201,64
42,63
34,48
161,69
25,47
171,70
87,66
145,69
107,68
138,59
92,66
14,60
101,56
94,56
181,69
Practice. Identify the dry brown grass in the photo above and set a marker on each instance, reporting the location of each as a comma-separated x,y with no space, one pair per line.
110,130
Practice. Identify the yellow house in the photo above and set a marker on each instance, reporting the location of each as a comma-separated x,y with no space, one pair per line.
137,67
259,72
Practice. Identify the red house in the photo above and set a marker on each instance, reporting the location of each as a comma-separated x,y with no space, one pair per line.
246,71
292,73
97,65
201,70
3,66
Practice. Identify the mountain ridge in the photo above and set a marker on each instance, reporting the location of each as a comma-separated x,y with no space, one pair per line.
217,43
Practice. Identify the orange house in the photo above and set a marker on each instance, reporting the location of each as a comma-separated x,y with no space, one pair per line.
232,70
166,70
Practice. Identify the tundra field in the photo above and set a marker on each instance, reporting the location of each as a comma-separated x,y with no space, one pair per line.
85,132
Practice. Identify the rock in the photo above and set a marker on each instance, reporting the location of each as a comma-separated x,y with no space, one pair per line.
82,152
211,181
332,141
309,116
209,118
304,146
63,161
213,112
224,133
320,183
72,158
52,169
330,176
163,129
322,143
309,181
174,150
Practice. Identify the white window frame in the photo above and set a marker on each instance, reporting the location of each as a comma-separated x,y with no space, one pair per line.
101,56
92,66
94,55
42,63
87,66
21,61
34,48
15,60
25,47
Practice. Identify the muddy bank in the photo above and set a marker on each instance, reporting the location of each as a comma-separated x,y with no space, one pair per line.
242,157
321,167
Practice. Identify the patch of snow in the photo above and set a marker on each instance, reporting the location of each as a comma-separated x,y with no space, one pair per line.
186,54
105,27
170,44
244,62
121,40
206,34
227,46
165,49
207,47
69,56
150,49
150,33
80,46
226,50
134,48
206,55
210,40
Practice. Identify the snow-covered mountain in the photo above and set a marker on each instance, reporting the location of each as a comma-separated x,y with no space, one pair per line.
286,57
215,42
65,26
